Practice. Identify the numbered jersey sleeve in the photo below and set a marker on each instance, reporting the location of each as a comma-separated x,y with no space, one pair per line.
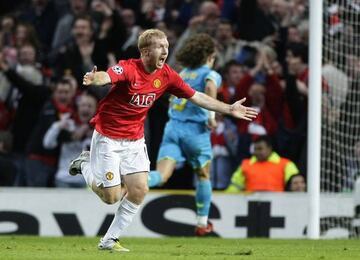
118,72
178,87
214,77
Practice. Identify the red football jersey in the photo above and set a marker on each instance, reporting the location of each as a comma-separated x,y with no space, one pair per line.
121,114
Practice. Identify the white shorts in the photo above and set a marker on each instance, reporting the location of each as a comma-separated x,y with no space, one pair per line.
111,158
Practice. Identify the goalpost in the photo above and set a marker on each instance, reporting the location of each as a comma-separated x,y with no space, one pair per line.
334,113
314,118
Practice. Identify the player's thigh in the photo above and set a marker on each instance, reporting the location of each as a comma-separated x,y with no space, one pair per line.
170,146
137,186
110,195
105,161
198,150
134,157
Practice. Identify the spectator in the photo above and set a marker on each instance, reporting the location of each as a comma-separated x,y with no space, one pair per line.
261,86
296,183
232,74
227,46
27,65
7,165
41,162
86,51
206,21
224,141
178,13
264,171
26,79
152,12
110,27
255,22
25,34
129,48
296,92
43,15
62,35
26,96
7,29
72,135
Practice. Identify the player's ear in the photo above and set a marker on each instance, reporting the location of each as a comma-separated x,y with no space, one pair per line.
144,52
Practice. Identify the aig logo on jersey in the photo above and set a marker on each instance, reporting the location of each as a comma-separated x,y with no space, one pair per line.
157,83
143,100
117,69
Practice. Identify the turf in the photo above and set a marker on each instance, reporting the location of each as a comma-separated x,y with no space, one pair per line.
32,248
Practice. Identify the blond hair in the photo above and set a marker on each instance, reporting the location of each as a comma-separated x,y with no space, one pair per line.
147,37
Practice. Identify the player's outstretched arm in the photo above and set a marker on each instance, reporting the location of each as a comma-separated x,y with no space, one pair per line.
236,110
97,78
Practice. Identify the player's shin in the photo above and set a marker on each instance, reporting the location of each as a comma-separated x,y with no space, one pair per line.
203,201
123,217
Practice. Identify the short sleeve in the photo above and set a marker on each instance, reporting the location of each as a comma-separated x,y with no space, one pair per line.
214,77
178,87
118,72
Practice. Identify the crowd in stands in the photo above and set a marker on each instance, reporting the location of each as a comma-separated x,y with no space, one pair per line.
47,46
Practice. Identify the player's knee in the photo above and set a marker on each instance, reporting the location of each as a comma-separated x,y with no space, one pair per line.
110,198
137,193
203,174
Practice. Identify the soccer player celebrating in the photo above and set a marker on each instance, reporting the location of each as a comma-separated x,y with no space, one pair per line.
187,134
118,151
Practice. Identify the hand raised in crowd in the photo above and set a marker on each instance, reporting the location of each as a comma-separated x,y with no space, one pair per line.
196,20
302,88
239,111
3,64
65,122
80,132
106,8
89,77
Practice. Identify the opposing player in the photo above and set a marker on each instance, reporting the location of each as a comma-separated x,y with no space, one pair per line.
187,133
118,151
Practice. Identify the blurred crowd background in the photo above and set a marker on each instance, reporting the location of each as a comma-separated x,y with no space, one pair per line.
47,46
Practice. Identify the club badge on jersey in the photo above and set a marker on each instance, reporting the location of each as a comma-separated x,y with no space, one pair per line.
117,69
157,83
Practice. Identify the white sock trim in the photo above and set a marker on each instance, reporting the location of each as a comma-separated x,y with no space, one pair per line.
202,221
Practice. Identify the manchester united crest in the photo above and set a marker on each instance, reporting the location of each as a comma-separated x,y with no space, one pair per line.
157,83
109,176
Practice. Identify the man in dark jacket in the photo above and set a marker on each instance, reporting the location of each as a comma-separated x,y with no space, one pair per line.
41,162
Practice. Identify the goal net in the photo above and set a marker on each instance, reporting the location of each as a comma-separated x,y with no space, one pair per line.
340,143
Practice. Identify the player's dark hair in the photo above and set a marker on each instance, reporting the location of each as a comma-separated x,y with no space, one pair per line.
196,50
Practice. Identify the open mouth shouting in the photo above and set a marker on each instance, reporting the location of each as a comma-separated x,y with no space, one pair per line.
161,61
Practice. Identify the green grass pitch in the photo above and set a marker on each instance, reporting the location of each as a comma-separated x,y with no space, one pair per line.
32,248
